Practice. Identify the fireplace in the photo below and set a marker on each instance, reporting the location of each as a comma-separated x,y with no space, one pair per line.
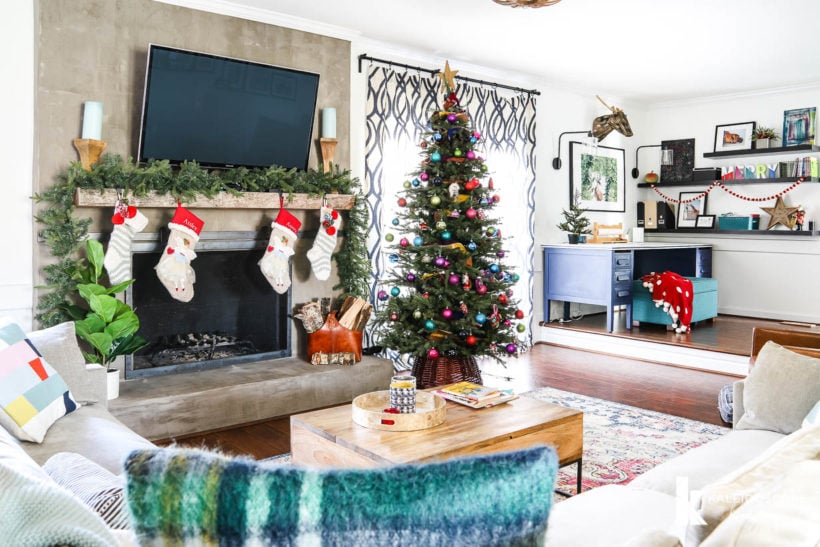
234,317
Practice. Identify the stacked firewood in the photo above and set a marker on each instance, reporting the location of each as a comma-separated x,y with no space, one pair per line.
355,313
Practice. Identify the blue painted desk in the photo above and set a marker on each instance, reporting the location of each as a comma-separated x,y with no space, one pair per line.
603,274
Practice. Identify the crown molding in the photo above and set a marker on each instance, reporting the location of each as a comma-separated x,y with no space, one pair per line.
751,94
225,7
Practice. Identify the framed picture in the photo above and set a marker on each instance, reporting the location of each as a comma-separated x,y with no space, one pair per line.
734,136
677,160
705,221
596,174
798,126
692,205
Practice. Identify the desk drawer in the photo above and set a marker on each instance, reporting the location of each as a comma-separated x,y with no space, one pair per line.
622,259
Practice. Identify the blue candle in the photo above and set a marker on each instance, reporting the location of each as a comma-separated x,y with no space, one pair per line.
92,120
328,123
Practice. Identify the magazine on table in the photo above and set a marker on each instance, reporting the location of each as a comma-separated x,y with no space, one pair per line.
475,395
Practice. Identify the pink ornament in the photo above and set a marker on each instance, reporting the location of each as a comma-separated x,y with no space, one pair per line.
404,242
454,279
496,198
447,313
507,322
476,134
394,316
440,261
432,353
471,213
470,155
481,289
451,118
424,176
447,263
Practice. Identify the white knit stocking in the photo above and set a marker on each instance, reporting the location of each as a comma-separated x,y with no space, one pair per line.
325,242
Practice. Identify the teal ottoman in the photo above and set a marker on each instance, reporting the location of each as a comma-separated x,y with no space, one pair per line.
704,304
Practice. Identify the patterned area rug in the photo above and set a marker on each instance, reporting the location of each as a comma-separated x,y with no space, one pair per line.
621,442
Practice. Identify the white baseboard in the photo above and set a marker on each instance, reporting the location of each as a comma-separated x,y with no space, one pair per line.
712,361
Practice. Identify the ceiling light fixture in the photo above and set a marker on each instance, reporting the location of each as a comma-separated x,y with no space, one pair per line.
526,3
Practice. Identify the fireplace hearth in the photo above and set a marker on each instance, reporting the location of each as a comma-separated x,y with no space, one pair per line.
234,317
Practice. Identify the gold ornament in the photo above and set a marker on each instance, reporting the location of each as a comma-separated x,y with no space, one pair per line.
780,214
447,77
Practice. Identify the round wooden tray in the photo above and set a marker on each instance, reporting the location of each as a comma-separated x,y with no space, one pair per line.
368,411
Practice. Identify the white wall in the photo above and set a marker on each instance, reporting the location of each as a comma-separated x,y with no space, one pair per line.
16,161
759,276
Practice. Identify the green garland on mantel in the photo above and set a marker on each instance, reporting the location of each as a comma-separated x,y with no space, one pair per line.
65,234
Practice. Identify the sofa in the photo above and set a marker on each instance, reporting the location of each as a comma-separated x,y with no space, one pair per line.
760,472
755,485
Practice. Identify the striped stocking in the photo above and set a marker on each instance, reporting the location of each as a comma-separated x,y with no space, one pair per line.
325,242
128,221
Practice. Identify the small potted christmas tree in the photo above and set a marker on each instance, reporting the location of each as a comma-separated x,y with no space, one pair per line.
575,223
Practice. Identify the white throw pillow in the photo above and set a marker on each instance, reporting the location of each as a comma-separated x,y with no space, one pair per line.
780,390
813,417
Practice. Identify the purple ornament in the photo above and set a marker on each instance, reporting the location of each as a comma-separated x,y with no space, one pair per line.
500,254
410,277
424,176
451,118
499,276
446,263
454,279
440,261
447,313
470,155
511,348
509,292
382,295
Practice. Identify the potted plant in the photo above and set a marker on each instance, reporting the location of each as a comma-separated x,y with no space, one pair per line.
575,223
108,326
764,136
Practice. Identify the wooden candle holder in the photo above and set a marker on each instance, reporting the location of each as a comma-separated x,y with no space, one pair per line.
328,149
90,151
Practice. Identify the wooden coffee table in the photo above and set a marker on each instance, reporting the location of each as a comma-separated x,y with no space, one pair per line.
330,438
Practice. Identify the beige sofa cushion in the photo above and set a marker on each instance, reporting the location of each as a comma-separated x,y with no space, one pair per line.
786,513
780,390
609,515
724,496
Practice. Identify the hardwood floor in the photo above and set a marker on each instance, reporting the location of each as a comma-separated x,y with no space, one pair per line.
663,388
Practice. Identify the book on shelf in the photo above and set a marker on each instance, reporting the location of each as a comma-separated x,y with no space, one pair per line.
465,395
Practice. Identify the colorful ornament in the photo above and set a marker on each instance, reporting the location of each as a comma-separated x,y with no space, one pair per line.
473,140
393,258
383,295
471,184
511,348
447,313
425,295
454,279
454,213
395,291
437,136
435,157
439,261
521,327
471,340
417,314
491,184
451,118
472,246
476,135
394,316
480,318
471,213
403,242
519,314
441,225
424,176
446,236
496,198
515,278
416,182
429,325
437,181
466,284
502,298
388,237
470,155
446,263
500,254
418,241
480,287
402,202
491,231
494,268
410,277
457,152
395,222
406,184
435,201
433,353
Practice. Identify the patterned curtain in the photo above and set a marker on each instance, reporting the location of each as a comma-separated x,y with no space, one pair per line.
399,105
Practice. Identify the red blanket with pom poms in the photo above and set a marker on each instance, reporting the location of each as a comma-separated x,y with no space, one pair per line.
674,292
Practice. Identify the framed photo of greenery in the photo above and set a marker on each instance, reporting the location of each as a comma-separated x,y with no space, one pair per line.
597,174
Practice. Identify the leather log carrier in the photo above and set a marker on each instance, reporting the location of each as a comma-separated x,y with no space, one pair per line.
334,338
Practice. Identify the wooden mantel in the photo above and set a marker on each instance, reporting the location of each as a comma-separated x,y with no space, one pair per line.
222,200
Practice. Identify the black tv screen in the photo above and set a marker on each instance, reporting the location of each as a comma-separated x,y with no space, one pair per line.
225,112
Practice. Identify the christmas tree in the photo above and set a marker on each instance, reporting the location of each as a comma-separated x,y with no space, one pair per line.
450,295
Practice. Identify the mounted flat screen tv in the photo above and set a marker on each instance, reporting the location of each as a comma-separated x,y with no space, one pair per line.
223,112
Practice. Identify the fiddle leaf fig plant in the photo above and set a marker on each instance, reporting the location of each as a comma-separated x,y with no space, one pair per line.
108,325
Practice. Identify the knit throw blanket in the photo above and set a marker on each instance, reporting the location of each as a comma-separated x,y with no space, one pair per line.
674,292
192,497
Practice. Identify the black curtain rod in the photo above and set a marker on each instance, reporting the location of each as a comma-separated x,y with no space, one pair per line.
366,57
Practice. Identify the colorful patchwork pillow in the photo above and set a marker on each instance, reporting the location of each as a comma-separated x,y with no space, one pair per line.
32,395
181,496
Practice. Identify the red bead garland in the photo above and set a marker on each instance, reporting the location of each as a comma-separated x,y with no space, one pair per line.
730,192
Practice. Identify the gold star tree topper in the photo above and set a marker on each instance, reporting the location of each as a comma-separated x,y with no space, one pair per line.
780,214
447,78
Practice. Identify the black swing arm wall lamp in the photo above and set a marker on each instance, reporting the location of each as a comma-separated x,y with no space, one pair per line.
556,161
635,171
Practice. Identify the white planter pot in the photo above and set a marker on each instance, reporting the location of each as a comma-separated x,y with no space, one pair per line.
113,377
761,143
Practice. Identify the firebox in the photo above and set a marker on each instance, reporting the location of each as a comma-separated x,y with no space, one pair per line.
234,317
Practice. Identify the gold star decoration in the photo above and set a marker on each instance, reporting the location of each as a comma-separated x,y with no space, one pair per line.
447,77
780,214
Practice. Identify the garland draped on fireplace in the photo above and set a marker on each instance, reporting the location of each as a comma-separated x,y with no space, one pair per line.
64,233
398,107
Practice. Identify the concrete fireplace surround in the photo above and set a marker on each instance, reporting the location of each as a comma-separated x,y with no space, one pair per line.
163,407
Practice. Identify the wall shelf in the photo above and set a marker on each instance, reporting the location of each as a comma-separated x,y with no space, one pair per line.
765,233
222,200
761,151
728,181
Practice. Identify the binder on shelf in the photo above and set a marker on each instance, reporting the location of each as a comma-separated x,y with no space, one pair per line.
651,215
641,218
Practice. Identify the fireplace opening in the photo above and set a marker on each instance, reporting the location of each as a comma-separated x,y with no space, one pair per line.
234,317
